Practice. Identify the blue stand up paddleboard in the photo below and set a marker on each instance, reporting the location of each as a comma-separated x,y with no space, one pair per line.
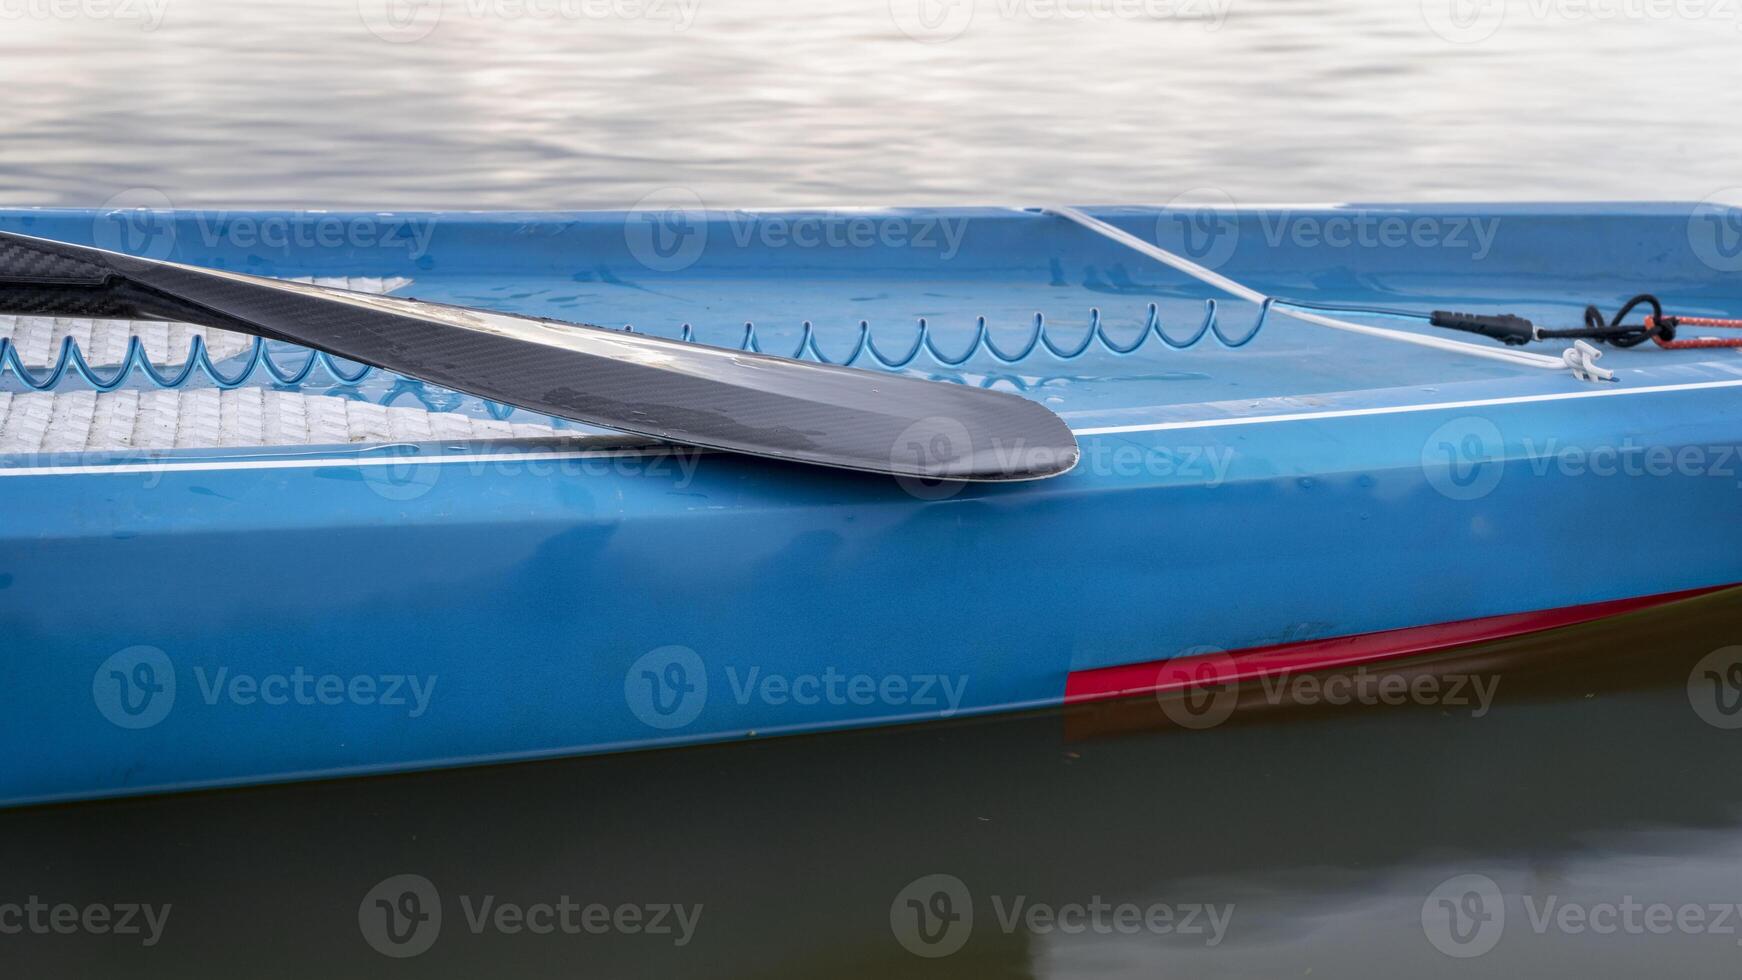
498,487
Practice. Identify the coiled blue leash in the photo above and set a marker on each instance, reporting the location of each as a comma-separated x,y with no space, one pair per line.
260,360
199,358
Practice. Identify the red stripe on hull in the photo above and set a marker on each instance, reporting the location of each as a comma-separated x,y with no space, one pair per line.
1309,655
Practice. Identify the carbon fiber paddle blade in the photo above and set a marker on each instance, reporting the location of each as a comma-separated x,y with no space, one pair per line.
671,390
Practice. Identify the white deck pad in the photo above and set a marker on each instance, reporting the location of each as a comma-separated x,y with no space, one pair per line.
208,418
104,342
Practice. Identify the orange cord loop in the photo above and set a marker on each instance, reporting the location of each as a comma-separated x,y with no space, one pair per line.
1670,323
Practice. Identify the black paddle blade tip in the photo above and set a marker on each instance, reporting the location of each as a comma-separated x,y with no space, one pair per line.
996,438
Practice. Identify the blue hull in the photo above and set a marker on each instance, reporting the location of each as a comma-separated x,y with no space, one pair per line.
205,617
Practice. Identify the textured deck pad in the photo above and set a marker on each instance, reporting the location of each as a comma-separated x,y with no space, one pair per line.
207,418
104,342
86,421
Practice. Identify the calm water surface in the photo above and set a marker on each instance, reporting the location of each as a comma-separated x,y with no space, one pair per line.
563,104
1314,841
